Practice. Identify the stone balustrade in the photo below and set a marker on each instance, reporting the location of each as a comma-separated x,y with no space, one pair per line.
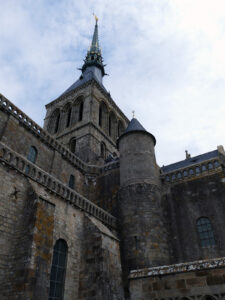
13,159
179,268
204,168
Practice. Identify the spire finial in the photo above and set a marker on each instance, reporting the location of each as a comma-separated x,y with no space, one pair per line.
96,18
133,112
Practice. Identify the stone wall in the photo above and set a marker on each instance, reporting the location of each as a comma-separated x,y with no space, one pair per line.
184,203
101,274
18,137
17,218
193,280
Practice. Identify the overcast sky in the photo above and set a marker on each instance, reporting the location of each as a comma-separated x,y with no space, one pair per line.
165,60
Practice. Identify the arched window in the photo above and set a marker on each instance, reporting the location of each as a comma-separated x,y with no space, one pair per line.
112,125
197,170
57,123
81,111
210,166
103,150
58,270
120,128
205,232
185,173
191,172
103,117
77,110
73,145
71,181
216,164
203,168
167,178
179,176
53,124
68,117
100,117
32,154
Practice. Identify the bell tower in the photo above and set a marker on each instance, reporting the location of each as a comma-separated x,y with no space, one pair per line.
85,118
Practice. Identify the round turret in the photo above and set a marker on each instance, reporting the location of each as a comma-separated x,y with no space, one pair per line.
143,235
137,155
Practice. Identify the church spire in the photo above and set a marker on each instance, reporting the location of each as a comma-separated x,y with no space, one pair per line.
94,55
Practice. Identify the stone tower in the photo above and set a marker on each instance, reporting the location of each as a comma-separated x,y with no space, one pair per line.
85,118
143,235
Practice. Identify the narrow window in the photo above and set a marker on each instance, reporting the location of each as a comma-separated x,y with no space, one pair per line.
167,178
110,125
185,174
73,145
58,270
197,170
68,117
81,111
100,117
102,150
210,166
205,232
57,123
32,154
71,181
203,168
191,172
216,164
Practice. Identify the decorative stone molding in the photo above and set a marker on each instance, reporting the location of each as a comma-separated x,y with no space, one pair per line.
196,170
179,268
16,161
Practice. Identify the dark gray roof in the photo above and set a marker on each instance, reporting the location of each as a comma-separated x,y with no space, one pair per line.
190,161
85,77
134,125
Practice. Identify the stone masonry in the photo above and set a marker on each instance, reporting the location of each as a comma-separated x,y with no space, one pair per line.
86,212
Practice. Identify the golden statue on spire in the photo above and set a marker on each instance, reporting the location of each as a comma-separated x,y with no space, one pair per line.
96,18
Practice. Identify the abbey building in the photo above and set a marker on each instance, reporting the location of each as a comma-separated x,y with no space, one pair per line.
86,213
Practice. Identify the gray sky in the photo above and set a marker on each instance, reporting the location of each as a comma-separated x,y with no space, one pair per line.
165,60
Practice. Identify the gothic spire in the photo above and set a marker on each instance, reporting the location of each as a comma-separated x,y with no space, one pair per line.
94,55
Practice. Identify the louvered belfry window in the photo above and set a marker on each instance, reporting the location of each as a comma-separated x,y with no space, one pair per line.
58,270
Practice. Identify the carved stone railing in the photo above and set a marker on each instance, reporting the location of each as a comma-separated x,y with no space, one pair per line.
204,168
18,162
179,268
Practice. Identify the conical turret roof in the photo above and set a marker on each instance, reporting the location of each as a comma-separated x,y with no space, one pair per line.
134,125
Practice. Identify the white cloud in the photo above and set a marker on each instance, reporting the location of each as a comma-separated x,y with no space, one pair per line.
165,60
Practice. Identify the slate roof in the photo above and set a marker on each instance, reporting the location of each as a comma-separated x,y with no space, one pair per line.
85,77
190,161
134,125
